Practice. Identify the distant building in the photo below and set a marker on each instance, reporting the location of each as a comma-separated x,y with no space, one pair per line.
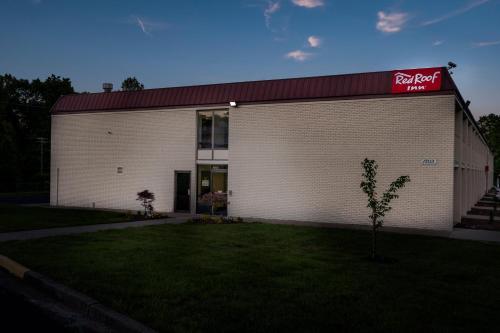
279,149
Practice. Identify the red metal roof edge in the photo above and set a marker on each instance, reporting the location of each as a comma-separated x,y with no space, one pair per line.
81,102
296,100
238,82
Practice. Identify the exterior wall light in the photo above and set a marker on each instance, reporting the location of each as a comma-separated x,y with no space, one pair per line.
233,104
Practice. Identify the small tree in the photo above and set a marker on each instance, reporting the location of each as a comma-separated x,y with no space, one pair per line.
146,198
379,207
215,199
132,84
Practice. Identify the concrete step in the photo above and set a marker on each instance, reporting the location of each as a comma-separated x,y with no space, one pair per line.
484,210
482,203
488,198
479,219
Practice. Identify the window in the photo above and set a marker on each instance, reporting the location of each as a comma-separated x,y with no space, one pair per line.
205,130
213,129
221,124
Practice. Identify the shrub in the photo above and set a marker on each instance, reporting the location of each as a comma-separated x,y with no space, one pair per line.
211,219
146,198
215,199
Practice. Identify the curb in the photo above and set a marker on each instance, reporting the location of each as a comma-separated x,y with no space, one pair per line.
89,308
13,267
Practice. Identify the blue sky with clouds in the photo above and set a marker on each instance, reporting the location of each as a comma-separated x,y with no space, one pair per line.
169,43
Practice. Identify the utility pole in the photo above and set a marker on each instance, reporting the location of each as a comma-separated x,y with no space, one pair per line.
42,141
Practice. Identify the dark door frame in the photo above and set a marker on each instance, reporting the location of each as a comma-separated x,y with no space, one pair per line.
175,191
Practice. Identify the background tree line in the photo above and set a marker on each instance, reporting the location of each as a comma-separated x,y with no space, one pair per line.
24,119
490,127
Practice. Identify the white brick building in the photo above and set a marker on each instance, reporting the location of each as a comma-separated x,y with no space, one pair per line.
291,149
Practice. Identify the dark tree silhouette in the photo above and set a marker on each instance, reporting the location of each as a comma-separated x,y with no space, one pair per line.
24,118
146,198
490,127
132,84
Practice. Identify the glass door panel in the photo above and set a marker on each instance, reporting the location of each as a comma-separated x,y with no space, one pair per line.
219,192
203,203
212,189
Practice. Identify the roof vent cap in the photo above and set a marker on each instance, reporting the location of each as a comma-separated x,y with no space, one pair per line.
107,87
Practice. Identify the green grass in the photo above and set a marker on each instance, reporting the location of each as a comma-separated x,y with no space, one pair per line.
17,218
259,277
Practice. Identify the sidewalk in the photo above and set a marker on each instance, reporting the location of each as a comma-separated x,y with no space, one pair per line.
457,233
477,235
41,233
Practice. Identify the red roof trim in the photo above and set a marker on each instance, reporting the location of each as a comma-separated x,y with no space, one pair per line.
345,86
295,100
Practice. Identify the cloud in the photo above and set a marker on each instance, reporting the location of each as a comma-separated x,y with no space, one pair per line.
484,44
390,23
308,3
471,5
314,41
272,8
298,55
437,43
142,26
148,26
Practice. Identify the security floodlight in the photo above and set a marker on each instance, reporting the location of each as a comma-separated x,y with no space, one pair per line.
232,104
451,65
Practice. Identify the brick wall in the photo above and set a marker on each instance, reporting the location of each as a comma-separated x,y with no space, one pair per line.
148,145
301,161
296,161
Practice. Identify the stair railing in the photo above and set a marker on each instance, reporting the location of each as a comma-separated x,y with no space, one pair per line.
495,206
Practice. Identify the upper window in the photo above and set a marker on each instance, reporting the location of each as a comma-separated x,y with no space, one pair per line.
205,129
213,129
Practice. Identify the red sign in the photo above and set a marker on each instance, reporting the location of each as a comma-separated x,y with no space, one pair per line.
416,80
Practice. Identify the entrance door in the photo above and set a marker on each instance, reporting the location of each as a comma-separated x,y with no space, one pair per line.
212,190
182,191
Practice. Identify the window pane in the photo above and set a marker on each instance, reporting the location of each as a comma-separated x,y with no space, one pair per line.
205,130
203,179
203,204
221,129
219,182
219,193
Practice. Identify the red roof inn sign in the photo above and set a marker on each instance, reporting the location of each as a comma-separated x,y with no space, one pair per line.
416,80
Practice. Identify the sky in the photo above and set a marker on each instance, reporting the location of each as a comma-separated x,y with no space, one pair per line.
186,42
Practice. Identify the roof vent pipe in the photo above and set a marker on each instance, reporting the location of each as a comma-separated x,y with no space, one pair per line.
107,87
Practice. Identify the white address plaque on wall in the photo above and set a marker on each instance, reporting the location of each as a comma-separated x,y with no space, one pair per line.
429,162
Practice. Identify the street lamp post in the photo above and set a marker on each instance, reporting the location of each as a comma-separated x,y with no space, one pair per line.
42,141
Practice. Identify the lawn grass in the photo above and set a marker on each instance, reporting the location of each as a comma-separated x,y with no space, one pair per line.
18,218
260,277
